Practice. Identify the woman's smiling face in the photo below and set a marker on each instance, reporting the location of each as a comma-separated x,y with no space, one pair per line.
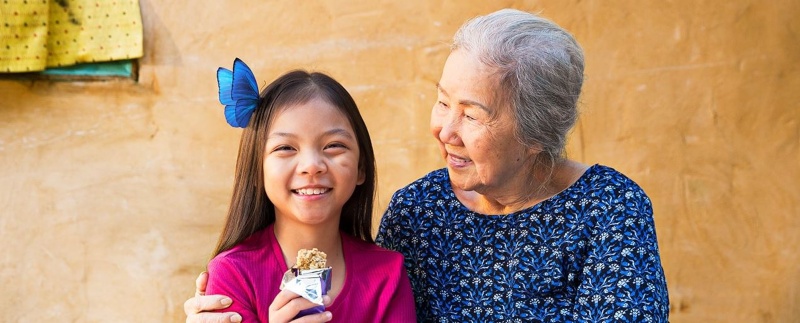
475,127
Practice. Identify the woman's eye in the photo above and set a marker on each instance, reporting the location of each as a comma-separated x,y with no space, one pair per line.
469,118
442,104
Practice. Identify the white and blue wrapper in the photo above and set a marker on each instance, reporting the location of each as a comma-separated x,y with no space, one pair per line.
310,284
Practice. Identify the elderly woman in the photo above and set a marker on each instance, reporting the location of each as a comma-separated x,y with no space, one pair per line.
511,230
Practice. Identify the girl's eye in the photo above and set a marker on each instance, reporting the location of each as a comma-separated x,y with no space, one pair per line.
336,145
283,148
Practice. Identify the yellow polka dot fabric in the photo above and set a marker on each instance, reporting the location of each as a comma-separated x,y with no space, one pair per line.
23,33
37,34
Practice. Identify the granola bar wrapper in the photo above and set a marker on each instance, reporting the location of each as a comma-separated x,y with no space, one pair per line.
311,284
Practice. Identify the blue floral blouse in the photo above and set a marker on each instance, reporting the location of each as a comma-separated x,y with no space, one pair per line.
588,254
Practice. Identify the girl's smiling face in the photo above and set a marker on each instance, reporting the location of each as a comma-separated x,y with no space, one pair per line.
311,163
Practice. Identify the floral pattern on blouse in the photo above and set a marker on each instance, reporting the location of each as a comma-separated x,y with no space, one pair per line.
588,254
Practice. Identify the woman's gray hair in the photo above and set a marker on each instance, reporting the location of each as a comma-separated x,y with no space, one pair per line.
541,72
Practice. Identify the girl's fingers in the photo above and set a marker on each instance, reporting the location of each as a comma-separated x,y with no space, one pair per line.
287,304
315,318
283,298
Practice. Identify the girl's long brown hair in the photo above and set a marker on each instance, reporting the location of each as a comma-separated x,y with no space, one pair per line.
250,209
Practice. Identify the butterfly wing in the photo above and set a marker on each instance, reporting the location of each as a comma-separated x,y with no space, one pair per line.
238,115
244,82
225,84
238,91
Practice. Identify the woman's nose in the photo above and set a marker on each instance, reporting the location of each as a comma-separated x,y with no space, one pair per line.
312,163
449,130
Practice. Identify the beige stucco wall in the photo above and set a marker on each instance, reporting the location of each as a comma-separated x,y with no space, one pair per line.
113,193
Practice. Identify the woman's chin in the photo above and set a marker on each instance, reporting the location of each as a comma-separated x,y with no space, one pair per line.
461,183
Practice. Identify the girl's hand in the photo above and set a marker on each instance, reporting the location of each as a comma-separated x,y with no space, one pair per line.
196,306
287,304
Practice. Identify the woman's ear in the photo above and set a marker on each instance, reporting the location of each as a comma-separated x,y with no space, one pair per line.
535,149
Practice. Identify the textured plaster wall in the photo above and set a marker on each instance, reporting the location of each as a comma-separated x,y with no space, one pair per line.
112,194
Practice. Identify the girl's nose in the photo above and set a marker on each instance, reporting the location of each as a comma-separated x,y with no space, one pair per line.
312,163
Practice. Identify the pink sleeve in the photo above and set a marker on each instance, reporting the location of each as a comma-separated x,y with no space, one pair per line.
401,304
226,278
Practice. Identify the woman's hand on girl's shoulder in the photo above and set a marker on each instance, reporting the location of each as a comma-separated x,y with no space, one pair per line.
196,307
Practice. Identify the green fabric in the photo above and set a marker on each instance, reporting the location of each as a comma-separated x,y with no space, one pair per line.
116,68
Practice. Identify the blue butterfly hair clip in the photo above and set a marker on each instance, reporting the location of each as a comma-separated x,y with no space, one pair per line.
238,91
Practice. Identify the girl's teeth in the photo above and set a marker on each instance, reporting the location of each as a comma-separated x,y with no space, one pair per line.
312,191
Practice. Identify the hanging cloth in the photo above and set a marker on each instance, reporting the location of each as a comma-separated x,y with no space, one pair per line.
37,34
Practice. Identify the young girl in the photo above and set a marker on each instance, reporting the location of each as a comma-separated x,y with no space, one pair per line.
305,178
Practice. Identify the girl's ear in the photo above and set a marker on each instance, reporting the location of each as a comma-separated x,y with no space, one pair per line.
362,176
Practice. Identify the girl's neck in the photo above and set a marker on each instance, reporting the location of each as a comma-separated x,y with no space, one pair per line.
326,237
292,237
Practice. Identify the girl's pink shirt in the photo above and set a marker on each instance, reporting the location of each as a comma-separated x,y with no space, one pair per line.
376,286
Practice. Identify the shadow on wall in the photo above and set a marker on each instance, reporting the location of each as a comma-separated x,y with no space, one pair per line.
159,46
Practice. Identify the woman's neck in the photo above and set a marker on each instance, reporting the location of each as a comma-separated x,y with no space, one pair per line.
527,191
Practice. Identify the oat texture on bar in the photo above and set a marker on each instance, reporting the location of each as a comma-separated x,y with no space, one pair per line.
310,259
